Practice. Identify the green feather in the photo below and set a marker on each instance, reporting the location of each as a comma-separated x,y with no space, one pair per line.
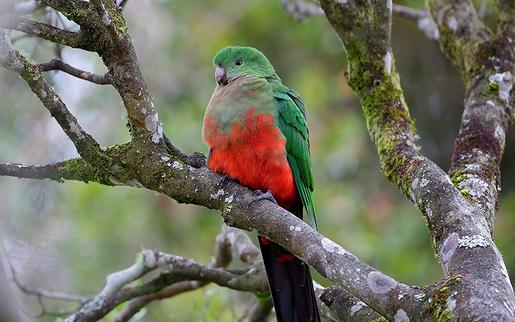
291,120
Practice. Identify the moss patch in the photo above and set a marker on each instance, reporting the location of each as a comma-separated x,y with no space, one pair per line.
439,308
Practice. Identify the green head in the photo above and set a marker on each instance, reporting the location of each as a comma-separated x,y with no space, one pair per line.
233,62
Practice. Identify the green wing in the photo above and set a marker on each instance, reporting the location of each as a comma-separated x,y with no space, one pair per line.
291,120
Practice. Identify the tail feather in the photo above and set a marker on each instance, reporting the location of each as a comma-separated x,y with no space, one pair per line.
290,282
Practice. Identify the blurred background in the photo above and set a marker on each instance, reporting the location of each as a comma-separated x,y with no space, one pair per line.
68,237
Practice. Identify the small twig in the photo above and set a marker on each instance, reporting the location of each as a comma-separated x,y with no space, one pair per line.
241,244
196,159
483,9
422,17
135,305
301,10
259,311
228,241
42,294
409,13
56,64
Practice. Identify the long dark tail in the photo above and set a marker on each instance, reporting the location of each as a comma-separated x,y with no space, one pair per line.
290,282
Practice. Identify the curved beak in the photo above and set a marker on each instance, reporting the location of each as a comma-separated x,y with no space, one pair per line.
220,76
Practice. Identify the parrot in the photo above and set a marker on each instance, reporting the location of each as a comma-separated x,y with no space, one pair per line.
256,131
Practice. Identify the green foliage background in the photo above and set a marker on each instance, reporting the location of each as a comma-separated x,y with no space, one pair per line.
68,237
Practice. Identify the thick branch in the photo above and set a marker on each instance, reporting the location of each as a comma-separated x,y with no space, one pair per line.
487,69
461,32
460,232
57,64
269,220
45,31
120,58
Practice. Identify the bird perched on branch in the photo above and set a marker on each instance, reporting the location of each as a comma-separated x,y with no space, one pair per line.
257,135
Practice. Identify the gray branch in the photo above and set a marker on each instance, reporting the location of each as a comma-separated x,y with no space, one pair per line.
57,64
229,241
460,232
44,31
84,142
479,147
73,169
301,10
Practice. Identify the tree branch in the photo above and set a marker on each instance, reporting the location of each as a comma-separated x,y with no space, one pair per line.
423,19
461,32
45,31
85,144
135,305
229,241
79,11
259,311
487,70
342,306
175,269
57,64
459,230
301,10
73,169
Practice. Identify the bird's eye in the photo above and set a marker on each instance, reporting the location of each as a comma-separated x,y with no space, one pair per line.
238,62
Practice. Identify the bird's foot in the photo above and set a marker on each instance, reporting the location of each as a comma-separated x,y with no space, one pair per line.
260,195
222,180
197,159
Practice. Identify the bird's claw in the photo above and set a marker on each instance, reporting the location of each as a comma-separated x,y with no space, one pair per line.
222,180
259,195
197,159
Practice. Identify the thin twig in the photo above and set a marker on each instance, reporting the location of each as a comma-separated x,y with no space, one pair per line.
135,305
42,294
57,64
228,241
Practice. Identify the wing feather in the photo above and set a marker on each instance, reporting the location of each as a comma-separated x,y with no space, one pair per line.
292,122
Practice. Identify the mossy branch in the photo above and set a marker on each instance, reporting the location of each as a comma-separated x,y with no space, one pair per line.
73,169
461,32
485,62
460,232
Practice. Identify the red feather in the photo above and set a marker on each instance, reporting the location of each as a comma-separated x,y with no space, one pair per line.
253,153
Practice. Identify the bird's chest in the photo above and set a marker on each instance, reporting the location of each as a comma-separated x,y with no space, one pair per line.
246,149
251,151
